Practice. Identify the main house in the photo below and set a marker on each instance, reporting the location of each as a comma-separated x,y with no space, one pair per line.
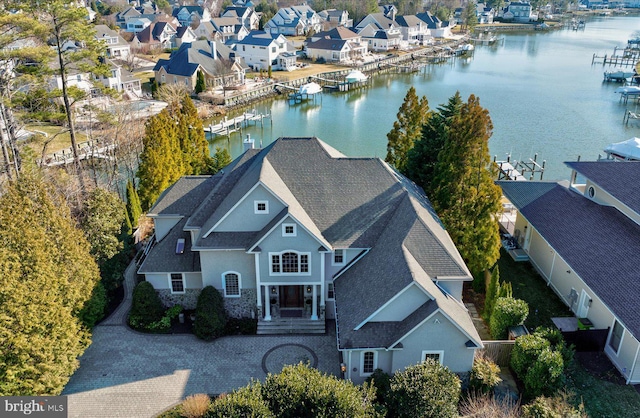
297,233
583,237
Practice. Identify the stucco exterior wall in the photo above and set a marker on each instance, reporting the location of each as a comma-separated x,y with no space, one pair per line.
244,218
438,333
353,361
214,263
402,306
163,225
454,287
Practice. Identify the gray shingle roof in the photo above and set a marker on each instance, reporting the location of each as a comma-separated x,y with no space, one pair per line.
328,44
186,60
598,242
163,258
257,37
614,178
345,203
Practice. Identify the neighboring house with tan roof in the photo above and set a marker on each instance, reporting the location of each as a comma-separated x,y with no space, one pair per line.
183,65
584,240
117,47
297,233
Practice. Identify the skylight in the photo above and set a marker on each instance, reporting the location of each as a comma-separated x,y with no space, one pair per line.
180,246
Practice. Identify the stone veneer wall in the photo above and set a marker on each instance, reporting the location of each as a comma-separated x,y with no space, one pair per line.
188,299
242,307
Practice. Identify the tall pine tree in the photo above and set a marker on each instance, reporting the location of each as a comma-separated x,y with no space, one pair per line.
134,210
422,158
161,161
465,196
194,145
47,279
406,130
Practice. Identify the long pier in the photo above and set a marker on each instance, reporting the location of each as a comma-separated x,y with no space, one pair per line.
86,150
629,56
227,126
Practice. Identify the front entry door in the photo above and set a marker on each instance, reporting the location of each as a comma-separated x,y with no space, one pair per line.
291,296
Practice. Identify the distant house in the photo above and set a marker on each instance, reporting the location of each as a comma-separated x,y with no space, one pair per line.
584,240
117,47
191,15
339,44
335,18
137,24
262,50
413,29
294,21
246,15
297,233
183,65
160,35
206,30
184,34
229,28
519,12
116,80
380,31
438,28
485,14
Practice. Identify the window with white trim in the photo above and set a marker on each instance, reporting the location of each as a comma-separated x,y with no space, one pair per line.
338,257
231,285
177,283
368,362
289,230
290,262
436,355
330,292
261,207
616,336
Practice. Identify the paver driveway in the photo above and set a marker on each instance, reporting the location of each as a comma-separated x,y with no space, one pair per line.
128,374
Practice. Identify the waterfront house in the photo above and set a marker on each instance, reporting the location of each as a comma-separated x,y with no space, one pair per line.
117,47
296,233
381,40
414,30
437,28
338,44
229,28
262,50
583,237
519,11
183,66
294,21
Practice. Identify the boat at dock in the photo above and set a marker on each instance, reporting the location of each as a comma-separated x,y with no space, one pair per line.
628,150
310,89
619,76
356,76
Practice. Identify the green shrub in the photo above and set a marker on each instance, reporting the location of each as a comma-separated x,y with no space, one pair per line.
381,381
491,292
210,314
424,390
164,324
146,307
94,309
526,350
301,391
507,312
241,326
546,375
485,374
558,406
242,403
555,338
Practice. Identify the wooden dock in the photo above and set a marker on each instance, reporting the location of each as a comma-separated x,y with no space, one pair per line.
86,150
620,57
228,126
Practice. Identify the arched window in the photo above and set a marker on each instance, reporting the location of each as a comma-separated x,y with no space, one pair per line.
368,362
290,262
231,284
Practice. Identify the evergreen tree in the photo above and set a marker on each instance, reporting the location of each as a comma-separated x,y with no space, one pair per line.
47,278
220,160
104,216
470,16
134,210
422,158
465,196
200,83
412,115
194,145
161,161
492,292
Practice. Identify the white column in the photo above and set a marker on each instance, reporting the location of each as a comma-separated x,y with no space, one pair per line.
267,305
314,303
256,260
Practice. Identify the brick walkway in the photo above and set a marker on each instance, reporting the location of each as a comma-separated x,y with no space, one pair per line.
128,374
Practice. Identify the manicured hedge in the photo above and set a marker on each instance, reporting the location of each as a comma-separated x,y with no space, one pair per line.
210,315
146,307
507,312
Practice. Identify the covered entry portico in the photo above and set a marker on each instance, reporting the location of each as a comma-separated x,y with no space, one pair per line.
296,300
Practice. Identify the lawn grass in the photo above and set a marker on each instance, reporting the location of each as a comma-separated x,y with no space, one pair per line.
601,397
529,286
62,141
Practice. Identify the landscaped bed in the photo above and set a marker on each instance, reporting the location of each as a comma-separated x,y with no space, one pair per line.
592,377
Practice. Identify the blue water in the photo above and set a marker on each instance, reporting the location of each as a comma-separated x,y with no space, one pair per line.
542,92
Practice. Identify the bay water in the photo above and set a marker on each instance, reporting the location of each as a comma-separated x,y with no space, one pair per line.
542,91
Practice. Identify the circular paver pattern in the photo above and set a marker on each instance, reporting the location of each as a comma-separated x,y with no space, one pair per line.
281,355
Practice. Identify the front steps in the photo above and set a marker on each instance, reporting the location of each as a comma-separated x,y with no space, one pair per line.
291,326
